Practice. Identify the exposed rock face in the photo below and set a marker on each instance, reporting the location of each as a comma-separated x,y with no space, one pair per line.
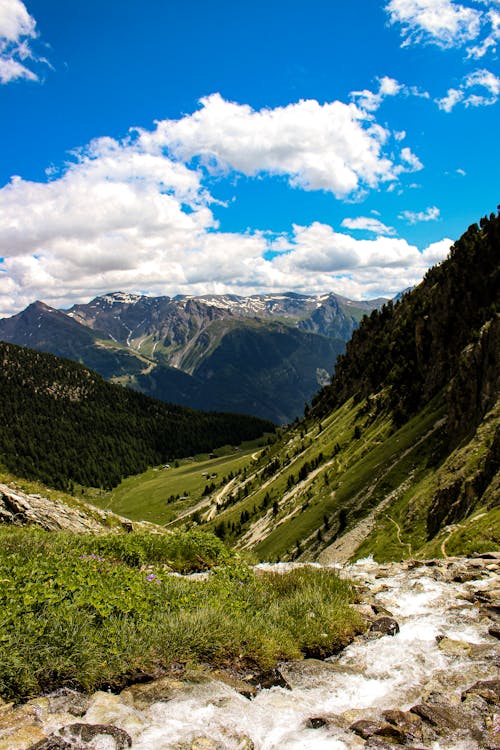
19,509
476,385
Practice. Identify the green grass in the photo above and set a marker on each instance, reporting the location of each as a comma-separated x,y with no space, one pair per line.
88,613
360,475
478,533
147,496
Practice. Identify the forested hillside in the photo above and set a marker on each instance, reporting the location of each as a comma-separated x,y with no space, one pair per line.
62,423
413,348
400,454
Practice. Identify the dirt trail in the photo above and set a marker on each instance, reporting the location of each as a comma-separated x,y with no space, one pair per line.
344,548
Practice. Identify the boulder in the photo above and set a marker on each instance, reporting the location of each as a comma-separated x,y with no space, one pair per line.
366,728
409,724
86,733
384,626
143,695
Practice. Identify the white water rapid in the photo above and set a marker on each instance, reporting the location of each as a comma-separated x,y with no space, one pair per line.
392,672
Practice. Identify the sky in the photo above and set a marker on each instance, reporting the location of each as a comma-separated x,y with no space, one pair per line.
183,147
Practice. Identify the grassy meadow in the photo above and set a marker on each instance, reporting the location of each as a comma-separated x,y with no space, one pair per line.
91,612
161,495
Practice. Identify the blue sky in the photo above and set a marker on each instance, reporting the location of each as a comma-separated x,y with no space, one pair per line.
190,147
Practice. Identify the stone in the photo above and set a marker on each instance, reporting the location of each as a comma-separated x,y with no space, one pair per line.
384,626
243,687
21,738
69,701
88,732
447,721
55,743
489,690
107,709
205,743
143,695
408,723
269,679
453,647
366,728
316,722
494,630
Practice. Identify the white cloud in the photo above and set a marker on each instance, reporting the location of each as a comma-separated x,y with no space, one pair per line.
335,147
17,30
368,224
130,215
442,22
448,24
322,259
413,217
370,101
480,88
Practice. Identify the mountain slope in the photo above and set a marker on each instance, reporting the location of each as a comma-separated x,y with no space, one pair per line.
200,351
61,423
400,455
47,329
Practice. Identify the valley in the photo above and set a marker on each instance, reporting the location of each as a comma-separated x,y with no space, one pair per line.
328,583
264,355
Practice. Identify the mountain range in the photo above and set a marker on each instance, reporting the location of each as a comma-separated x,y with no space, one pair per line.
264,355
398,456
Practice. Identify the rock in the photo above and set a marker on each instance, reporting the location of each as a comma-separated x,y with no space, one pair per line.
21,737
494,630
409,724
269,679
54,743
243,687
382,744
450,721
88,732
452,647
205,743
384,626
441,716
69,701
107,709
486,556
487,689
316,722
143,695
366,728
26,725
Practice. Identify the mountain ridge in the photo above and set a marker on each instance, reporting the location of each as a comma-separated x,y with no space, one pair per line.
196,351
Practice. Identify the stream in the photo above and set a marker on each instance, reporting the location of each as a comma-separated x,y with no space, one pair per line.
447,642
392,672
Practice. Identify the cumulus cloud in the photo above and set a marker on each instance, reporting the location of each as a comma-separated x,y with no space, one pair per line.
368,224
312,259
448,24
370,101
335,147
17,31
480,88
132,214
413,217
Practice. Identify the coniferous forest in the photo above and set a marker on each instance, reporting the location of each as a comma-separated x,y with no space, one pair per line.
62,424
412,347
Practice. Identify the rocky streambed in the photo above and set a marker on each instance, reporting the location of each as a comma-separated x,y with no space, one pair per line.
425,675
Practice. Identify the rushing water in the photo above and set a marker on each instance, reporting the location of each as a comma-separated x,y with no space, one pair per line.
369,676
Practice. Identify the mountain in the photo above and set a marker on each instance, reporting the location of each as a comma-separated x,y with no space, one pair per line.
62,423
264,355
49,330
399,455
